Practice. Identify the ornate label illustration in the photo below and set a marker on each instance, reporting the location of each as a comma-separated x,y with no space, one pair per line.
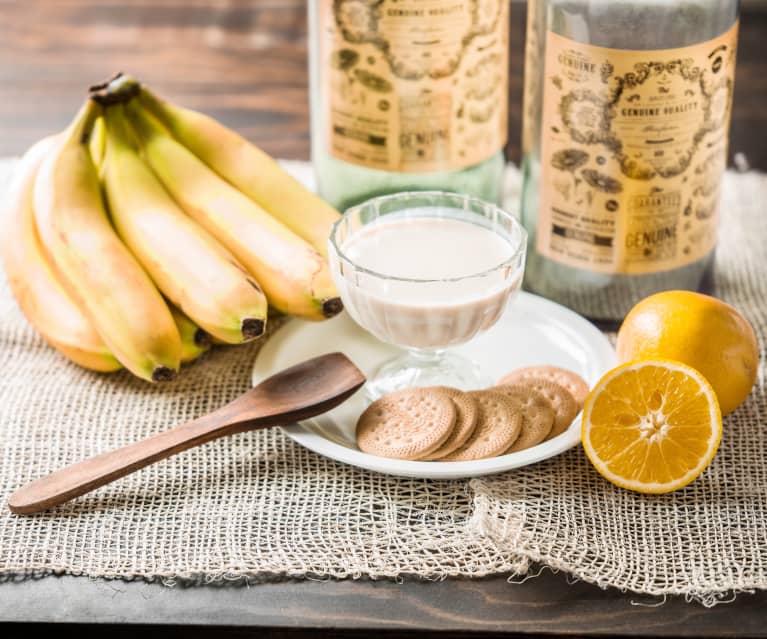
633,147
414,85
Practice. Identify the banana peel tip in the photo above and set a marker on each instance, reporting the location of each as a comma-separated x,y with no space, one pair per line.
163,374
332,306
252,328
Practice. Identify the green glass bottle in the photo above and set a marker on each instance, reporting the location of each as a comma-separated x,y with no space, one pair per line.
626,115
408,95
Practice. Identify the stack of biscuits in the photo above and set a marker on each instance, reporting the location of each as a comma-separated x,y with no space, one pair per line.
527,407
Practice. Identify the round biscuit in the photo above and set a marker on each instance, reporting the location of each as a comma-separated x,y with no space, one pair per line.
564,405
465,422
570,381
537,415
498,425
406,424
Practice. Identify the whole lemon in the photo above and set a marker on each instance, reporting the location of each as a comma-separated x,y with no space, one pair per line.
700,331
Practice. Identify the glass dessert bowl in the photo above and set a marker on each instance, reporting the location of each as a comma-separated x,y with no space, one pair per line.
426,271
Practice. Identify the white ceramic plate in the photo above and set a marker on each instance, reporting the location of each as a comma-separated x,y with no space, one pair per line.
532,331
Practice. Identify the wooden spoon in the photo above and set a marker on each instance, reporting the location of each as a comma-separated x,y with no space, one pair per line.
299,392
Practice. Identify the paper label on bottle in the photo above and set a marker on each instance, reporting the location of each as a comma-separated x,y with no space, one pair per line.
414,85
633,149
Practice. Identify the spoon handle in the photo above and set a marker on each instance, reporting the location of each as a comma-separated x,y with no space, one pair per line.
299,392
89,474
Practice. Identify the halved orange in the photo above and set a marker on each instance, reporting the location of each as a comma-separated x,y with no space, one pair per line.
651,426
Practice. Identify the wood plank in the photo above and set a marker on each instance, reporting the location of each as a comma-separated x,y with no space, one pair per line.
547,604
243,61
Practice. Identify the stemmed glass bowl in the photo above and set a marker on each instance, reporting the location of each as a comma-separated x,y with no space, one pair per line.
404,302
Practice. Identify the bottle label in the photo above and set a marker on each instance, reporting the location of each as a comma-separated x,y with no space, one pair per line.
414,85
633,148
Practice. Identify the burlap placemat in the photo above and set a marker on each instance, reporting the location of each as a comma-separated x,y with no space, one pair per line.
257,506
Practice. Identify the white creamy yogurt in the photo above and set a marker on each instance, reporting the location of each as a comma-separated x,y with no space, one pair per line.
433,280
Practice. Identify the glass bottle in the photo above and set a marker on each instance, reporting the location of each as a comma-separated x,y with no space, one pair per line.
626,115
408,95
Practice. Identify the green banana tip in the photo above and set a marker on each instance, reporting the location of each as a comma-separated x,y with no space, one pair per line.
117,89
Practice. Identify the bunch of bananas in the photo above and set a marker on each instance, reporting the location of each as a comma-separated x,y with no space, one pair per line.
145,231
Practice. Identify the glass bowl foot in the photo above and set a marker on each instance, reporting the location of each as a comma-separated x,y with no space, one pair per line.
425,368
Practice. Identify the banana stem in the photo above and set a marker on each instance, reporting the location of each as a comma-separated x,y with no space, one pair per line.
153,103
119,132
82,125
97,143
144,123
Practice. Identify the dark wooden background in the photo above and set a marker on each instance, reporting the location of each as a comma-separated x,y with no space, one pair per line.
243,61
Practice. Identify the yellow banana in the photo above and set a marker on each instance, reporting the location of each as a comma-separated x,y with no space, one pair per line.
42,298
194,340
247,168
187,264
295,278
124,306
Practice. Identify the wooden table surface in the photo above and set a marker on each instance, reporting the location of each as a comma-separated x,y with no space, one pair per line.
242,61
245,63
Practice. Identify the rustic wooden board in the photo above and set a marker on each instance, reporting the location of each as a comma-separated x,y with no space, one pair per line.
243,61
452,609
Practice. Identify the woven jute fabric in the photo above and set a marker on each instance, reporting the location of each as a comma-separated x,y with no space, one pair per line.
257,506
